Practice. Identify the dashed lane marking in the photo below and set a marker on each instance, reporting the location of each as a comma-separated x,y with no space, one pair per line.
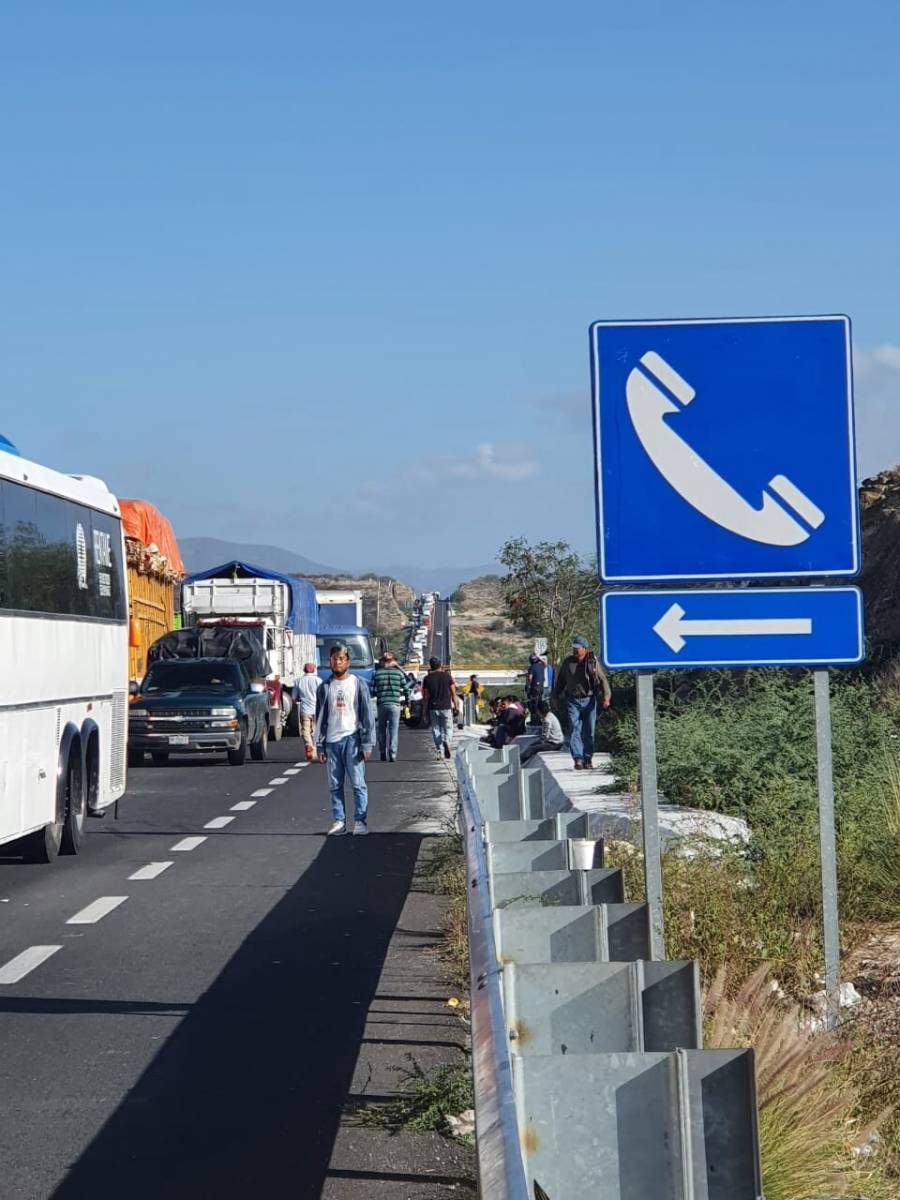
151,870
242,805
277,782
17,968
188,843
218,822
262,792
97,910
292,771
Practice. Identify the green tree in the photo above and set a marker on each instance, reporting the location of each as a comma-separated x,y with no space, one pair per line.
551,591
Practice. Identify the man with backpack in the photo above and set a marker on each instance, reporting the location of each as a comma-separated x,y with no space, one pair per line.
579,687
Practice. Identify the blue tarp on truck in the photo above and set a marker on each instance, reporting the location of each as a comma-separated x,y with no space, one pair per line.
303,616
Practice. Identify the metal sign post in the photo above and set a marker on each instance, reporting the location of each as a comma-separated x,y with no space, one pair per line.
650,813
738,437
830,927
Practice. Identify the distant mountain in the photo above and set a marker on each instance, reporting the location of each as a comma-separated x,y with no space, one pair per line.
200,553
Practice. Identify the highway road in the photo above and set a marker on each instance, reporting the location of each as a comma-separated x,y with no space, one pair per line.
224,984
439,644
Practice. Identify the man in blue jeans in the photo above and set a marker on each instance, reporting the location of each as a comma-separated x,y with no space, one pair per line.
345,735
580,685
391,692
439,703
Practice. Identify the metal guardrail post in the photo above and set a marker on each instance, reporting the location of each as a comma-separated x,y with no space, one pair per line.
500,1167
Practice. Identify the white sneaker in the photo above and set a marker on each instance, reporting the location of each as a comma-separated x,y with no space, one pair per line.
337,829
360,829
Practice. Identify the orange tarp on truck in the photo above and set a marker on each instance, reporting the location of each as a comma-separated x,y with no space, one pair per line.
146,524
154,567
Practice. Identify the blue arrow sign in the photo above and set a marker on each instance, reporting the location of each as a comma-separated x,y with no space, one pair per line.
737,627
725,449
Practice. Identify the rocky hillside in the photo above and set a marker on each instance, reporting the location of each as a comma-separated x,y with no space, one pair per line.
483,635
879,500
386,602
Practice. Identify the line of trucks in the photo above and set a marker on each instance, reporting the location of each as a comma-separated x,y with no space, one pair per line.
269,620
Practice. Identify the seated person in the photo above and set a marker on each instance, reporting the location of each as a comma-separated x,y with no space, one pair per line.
551,733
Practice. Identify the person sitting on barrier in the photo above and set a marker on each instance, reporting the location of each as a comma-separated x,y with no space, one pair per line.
551,733
497,735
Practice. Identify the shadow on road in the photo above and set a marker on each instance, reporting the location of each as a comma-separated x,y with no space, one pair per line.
246,1096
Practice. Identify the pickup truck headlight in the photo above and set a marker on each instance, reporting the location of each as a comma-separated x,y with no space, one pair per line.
223,712
139,712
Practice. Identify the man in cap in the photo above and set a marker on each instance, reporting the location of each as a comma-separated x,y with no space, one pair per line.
580,685
305,691
391,692
345,735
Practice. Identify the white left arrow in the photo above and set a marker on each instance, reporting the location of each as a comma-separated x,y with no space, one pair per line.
673,628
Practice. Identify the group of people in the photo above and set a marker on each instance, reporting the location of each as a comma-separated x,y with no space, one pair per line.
340,727
339,724
578,689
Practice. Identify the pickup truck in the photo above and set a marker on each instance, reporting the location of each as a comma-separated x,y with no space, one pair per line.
198,705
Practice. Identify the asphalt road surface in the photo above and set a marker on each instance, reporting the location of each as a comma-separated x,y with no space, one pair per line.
439,642
190,1007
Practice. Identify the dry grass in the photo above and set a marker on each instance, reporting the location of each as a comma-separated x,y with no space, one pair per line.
809,1096
444,872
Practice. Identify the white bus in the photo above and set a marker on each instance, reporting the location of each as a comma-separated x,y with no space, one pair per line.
63,657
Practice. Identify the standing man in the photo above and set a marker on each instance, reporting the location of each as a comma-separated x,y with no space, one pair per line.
581,685
345,735
534,686
305,690
439,704
391,693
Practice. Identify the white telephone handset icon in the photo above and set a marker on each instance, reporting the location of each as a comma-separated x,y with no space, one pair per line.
694,479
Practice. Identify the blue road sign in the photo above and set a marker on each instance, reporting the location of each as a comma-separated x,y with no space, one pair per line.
732,627
725,449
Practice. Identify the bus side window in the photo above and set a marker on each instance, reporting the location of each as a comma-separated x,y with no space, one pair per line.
4,586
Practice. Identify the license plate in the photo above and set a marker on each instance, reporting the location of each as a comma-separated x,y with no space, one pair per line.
179,739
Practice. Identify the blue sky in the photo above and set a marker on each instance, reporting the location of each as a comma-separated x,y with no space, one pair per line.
321,276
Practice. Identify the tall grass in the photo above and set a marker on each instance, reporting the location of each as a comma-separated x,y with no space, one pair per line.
809,1104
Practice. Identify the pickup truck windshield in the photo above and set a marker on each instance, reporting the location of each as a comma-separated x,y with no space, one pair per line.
360,650
174,676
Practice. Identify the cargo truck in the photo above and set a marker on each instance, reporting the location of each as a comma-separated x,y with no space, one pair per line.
154,569
363,648
340,606
278,610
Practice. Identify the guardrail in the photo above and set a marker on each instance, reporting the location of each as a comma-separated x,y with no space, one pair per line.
589,1072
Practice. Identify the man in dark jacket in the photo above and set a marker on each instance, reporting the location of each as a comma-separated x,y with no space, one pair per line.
534,686
581,685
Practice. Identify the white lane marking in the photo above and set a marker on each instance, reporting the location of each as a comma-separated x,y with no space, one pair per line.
300,764
97,910
218,822
17,968
292,771
188,843
262,792
276,782
242,805
151,870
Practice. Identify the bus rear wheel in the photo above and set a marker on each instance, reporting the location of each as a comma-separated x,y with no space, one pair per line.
73,824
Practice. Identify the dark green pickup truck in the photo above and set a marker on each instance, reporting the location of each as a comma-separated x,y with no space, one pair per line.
195,706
